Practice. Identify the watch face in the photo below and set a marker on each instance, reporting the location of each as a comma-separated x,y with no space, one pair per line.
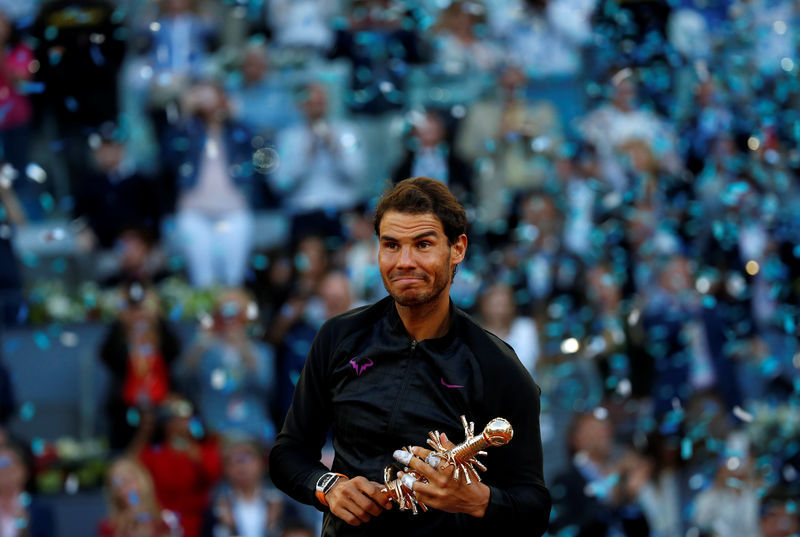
326,482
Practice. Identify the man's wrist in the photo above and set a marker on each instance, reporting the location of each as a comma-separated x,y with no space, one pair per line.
325,483
485,494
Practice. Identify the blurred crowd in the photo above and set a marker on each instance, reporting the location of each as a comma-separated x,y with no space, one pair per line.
629,168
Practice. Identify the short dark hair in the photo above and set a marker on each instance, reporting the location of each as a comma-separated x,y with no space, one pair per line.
423,195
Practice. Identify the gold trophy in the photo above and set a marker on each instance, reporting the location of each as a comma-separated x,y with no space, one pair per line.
463,456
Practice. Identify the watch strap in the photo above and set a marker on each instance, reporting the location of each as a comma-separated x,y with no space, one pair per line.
321,494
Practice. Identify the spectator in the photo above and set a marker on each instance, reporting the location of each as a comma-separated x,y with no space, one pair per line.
302,25
229,374
11,215
500,131
133,508
331,297
243,504
778,516
16,114
430,155
381,50
730,506
687,342
114,197
321,169
218,188
464,58
665,497
20,517
261,99
137,258
178,42
597,495
547,41
185,465
613,342
138,350
79,54
498,314
310,262
361,258
622,119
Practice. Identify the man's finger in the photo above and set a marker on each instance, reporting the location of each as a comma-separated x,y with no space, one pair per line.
446,441
365,508
415,463
377,495
427,455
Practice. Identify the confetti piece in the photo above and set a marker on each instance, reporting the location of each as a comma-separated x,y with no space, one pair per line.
742,414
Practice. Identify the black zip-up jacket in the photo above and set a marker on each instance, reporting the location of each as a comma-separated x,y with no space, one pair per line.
379,390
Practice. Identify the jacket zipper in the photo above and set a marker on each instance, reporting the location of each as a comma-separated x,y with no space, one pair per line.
403,387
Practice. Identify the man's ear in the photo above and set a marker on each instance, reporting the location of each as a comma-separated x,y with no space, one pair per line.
458,249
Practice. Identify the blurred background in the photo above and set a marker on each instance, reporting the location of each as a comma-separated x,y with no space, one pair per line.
186,194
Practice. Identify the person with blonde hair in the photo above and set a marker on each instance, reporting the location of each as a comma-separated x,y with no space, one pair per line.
229,374
20,514
133,508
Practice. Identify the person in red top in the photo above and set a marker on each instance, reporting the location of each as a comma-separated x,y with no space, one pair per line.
15,70
184,466
16,112
138,351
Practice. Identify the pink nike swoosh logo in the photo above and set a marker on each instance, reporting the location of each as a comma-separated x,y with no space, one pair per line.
446,385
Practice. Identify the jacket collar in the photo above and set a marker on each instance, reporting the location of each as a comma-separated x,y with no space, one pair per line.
439,343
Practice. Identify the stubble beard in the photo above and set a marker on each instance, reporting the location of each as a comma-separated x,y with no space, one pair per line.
421,298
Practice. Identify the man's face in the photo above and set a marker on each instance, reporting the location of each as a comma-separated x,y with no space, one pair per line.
594,436
243,467
415,259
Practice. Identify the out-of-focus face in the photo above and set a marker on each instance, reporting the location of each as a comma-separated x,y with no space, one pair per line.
209,101
243,466
312,256
603,288
594,437
108,156
498,304
512,79
625,94
415,259
430,131
779,521
334,290
677,275
126,485
254,66
316,103
132,250
231,309
541,211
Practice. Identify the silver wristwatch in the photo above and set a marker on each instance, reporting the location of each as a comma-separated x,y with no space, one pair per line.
326,483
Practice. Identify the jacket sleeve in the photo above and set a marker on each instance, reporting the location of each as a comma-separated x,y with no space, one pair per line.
519,497
294,460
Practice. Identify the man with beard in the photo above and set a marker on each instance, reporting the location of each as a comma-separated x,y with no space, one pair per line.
381,377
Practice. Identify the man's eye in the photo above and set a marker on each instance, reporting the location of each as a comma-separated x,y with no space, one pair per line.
424,244
390,245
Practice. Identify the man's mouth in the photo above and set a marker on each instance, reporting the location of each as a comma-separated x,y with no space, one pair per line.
408,278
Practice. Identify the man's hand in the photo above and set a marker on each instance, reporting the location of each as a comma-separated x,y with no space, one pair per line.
357,500
442,491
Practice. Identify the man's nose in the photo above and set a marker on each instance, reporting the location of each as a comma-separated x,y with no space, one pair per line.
406,257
